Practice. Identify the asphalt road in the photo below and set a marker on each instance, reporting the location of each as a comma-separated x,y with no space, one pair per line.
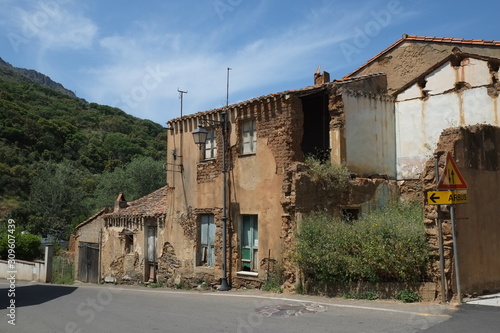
103,308
470,318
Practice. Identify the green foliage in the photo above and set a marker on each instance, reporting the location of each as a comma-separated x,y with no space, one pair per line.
155,285
56,200
138,178
408,296
183,285
63,271
44,131
275,280
26,246
329,176
387,245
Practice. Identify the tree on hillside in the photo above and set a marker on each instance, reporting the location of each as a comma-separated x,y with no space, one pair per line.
56,199
138,178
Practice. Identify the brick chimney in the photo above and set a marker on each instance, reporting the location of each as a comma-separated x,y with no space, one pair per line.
321,78
120,202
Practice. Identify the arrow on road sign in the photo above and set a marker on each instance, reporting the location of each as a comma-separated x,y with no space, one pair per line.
433,197
446,197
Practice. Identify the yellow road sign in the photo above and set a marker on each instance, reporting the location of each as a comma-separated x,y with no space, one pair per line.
451,179
446,197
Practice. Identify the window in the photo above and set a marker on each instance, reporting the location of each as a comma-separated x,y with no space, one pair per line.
349,214
129,243
207,239
249,243
249,137
210,145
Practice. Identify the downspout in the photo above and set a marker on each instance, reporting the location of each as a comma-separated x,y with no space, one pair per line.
100,251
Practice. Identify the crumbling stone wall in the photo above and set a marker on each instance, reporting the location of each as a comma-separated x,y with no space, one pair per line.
168,264
302,195
476,151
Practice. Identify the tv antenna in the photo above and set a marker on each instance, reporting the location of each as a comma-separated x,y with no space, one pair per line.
181,95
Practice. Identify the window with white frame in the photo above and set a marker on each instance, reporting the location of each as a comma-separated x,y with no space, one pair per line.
249,243
207,240
210,145
249,136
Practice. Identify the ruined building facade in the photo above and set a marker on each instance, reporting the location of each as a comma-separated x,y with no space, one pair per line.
382,121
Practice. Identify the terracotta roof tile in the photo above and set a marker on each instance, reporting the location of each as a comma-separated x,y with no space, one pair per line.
306,90
151,205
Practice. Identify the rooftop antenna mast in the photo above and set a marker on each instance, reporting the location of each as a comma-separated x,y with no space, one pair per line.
181,95
227,88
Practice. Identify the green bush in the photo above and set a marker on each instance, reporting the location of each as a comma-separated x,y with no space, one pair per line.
387,245
26,246
407,296
329,176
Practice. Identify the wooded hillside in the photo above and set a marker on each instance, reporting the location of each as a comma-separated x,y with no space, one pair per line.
63,151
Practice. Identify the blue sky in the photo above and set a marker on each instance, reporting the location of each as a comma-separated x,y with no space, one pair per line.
136,54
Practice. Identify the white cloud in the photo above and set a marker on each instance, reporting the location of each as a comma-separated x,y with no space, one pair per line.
187,61
53,25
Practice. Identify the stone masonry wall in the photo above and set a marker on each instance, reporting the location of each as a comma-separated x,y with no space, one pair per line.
476,151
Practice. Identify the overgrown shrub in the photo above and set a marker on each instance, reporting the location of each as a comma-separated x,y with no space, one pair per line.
275,279
62,270
328,175
408,296
385,246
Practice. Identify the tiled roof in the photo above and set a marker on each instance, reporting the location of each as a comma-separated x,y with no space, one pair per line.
93,217
429,39
151,205
301,91
452,40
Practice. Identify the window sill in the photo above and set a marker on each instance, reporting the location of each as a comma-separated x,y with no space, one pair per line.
247,273
208,160
247,154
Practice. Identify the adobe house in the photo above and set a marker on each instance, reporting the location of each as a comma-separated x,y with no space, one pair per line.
383,121
87,242
268,191
130,238
372,120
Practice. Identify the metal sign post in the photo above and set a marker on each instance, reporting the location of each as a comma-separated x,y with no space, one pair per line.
455,252
451,189
440,235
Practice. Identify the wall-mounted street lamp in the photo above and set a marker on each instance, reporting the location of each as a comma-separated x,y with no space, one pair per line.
200,136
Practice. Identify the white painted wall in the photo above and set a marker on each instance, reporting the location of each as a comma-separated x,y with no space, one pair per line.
420,121
370,135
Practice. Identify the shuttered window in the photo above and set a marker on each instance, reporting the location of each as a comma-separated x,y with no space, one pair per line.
249,243
207,240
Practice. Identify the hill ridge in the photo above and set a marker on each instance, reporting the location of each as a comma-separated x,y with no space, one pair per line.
37,77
